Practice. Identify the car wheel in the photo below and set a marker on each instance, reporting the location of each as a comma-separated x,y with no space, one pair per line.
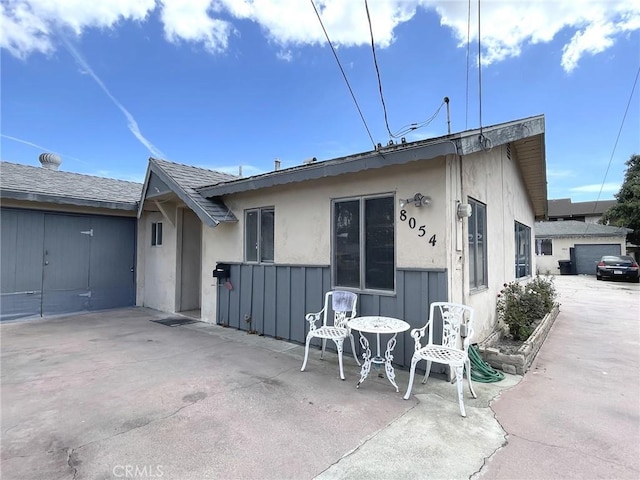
598,277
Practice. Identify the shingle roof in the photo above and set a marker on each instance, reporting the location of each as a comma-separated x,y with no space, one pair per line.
184,180
525,137
573,228
37,184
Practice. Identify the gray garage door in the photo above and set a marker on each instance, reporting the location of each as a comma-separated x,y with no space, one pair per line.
58,263
587,256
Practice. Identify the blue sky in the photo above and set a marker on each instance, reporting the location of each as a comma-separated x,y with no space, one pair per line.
228,83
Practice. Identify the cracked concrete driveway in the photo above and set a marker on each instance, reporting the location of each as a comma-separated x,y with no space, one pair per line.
114,395
576,413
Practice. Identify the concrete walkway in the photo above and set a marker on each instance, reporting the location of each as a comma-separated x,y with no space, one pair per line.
114,395
576,413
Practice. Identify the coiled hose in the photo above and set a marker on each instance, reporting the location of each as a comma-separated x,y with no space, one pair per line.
481,371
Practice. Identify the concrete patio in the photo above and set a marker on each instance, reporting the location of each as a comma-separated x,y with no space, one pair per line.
114,395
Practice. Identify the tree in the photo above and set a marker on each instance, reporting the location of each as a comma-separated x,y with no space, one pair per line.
626,213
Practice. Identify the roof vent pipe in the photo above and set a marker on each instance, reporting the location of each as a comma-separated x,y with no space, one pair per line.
446,100
50,161
277,164
240,170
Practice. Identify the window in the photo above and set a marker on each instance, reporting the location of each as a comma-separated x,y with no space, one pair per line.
477,245
156,233
364,243
544,246
523,250
259,235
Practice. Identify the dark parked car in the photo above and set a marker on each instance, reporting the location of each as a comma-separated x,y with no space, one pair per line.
618,266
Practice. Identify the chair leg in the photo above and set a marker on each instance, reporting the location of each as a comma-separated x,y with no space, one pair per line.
353,349
324,345
459,379
412,372
427,372
306,353
473,393
338,343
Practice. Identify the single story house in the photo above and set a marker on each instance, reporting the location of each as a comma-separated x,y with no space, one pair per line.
404,225
577,242
67,240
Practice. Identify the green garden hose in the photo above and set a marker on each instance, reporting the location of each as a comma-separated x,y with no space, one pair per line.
481,371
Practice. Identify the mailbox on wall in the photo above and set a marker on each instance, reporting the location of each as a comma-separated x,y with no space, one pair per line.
222,271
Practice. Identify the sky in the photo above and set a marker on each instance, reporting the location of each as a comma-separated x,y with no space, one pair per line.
237,84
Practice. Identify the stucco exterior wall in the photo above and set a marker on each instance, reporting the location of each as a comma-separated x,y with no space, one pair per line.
303,228
548,264
157,264
303,221
495,180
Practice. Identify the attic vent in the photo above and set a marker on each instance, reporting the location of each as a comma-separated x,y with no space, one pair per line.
50,161
509,151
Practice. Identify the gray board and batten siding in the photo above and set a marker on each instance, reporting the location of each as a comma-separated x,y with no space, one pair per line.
55,263
276,298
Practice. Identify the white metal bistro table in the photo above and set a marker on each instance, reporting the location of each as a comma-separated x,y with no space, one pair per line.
378,325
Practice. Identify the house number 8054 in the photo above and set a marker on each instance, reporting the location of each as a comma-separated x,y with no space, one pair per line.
422,229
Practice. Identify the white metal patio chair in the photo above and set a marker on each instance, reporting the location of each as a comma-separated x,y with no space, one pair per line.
343,306
450,349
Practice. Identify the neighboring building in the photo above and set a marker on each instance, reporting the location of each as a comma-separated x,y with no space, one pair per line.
581,243
389,224
588,212
67,241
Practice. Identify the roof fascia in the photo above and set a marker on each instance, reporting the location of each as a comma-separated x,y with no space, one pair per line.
145,187
178,190
501,134
463,143
396,155
62,200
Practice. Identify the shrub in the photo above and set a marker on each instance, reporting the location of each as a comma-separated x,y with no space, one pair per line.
520,306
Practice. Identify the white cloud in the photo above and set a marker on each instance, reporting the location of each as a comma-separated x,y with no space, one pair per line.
595,188
285,55
593,26
29,25
508,26
190,21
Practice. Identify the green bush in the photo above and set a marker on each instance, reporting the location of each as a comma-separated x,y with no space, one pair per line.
520,306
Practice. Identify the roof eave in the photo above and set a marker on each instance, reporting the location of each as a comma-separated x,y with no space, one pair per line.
63,200
179,191
396,155
526,135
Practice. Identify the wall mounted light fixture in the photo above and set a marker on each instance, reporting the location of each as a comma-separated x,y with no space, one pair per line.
463,210
418,200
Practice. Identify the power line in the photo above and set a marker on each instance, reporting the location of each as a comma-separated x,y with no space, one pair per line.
479,73
466,111
375,62
343,74
414,126
615,145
